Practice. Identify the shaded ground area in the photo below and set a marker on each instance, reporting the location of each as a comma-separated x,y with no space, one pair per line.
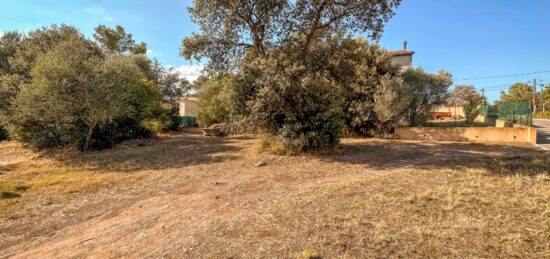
190,196
543,132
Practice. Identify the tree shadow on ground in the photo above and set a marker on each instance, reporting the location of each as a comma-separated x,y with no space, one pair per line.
167,152
383,155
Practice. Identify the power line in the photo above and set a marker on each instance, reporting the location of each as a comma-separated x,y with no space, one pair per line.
502,76
499,87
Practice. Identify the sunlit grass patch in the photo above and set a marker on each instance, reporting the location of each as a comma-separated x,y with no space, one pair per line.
523,165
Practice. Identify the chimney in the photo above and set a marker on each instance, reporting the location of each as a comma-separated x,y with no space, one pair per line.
405,45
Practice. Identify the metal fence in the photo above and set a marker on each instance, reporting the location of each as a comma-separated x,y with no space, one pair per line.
513,113
188,121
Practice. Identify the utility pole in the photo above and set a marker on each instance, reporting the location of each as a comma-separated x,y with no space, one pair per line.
541,98
534,96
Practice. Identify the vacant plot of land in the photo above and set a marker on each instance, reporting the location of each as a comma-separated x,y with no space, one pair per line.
190,196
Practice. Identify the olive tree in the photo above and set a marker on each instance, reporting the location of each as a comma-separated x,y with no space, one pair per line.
359,69
72,85
295,102
229,29
280,54
214,100
428,90
116,40
390,103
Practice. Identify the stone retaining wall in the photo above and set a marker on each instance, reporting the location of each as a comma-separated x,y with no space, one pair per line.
468,134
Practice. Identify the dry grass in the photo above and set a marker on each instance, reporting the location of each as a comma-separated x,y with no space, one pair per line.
27,173
191,196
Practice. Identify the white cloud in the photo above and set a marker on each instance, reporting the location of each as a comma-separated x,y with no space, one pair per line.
99,12
190,72
108,18
1,34
95,11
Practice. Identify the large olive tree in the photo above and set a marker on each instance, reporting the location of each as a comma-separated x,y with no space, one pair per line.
71,84
281,54
358,69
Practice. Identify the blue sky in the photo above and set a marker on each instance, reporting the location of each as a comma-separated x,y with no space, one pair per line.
469,38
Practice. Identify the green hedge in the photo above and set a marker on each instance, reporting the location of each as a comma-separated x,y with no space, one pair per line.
188,121
3,134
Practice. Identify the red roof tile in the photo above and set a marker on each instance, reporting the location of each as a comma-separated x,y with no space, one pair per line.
401,52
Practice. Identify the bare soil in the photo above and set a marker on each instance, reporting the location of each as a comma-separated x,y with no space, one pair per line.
185,195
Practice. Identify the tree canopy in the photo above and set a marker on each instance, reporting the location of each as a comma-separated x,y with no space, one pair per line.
462,94
60,88
428,91
518,92
231,29
116,40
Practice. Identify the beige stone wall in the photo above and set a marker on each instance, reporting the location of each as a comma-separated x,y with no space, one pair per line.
468,134
404,61
189,106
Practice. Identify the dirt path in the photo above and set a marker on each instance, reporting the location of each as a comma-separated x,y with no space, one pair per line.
166,224
194,196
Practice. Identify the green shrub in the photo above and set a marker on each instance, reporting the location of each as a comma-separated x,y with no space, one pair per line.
272,145
542,115
188,121
214,101
390,101
428,90
3,134
59,88
472,109
174,120
153,126
118,130
359,69
64,105
295,101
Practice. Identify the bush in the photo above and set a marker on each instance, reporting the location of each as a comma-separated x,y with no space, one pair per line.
272,145
152,126
174,121
542,115
390,101
80,98
358,69
3,134
188,121
231,128
295,101
114,132
214,102
428,91
472,109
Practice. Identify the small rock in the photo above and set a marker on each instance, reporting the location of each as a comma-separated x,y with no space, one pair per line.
261,163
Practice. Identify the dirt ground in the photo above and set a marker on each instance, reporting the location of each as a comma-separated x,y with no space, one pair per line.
184,195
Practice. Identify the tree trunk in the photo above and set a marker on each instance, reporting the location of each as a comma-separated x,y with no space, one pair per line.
89,136
412,116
